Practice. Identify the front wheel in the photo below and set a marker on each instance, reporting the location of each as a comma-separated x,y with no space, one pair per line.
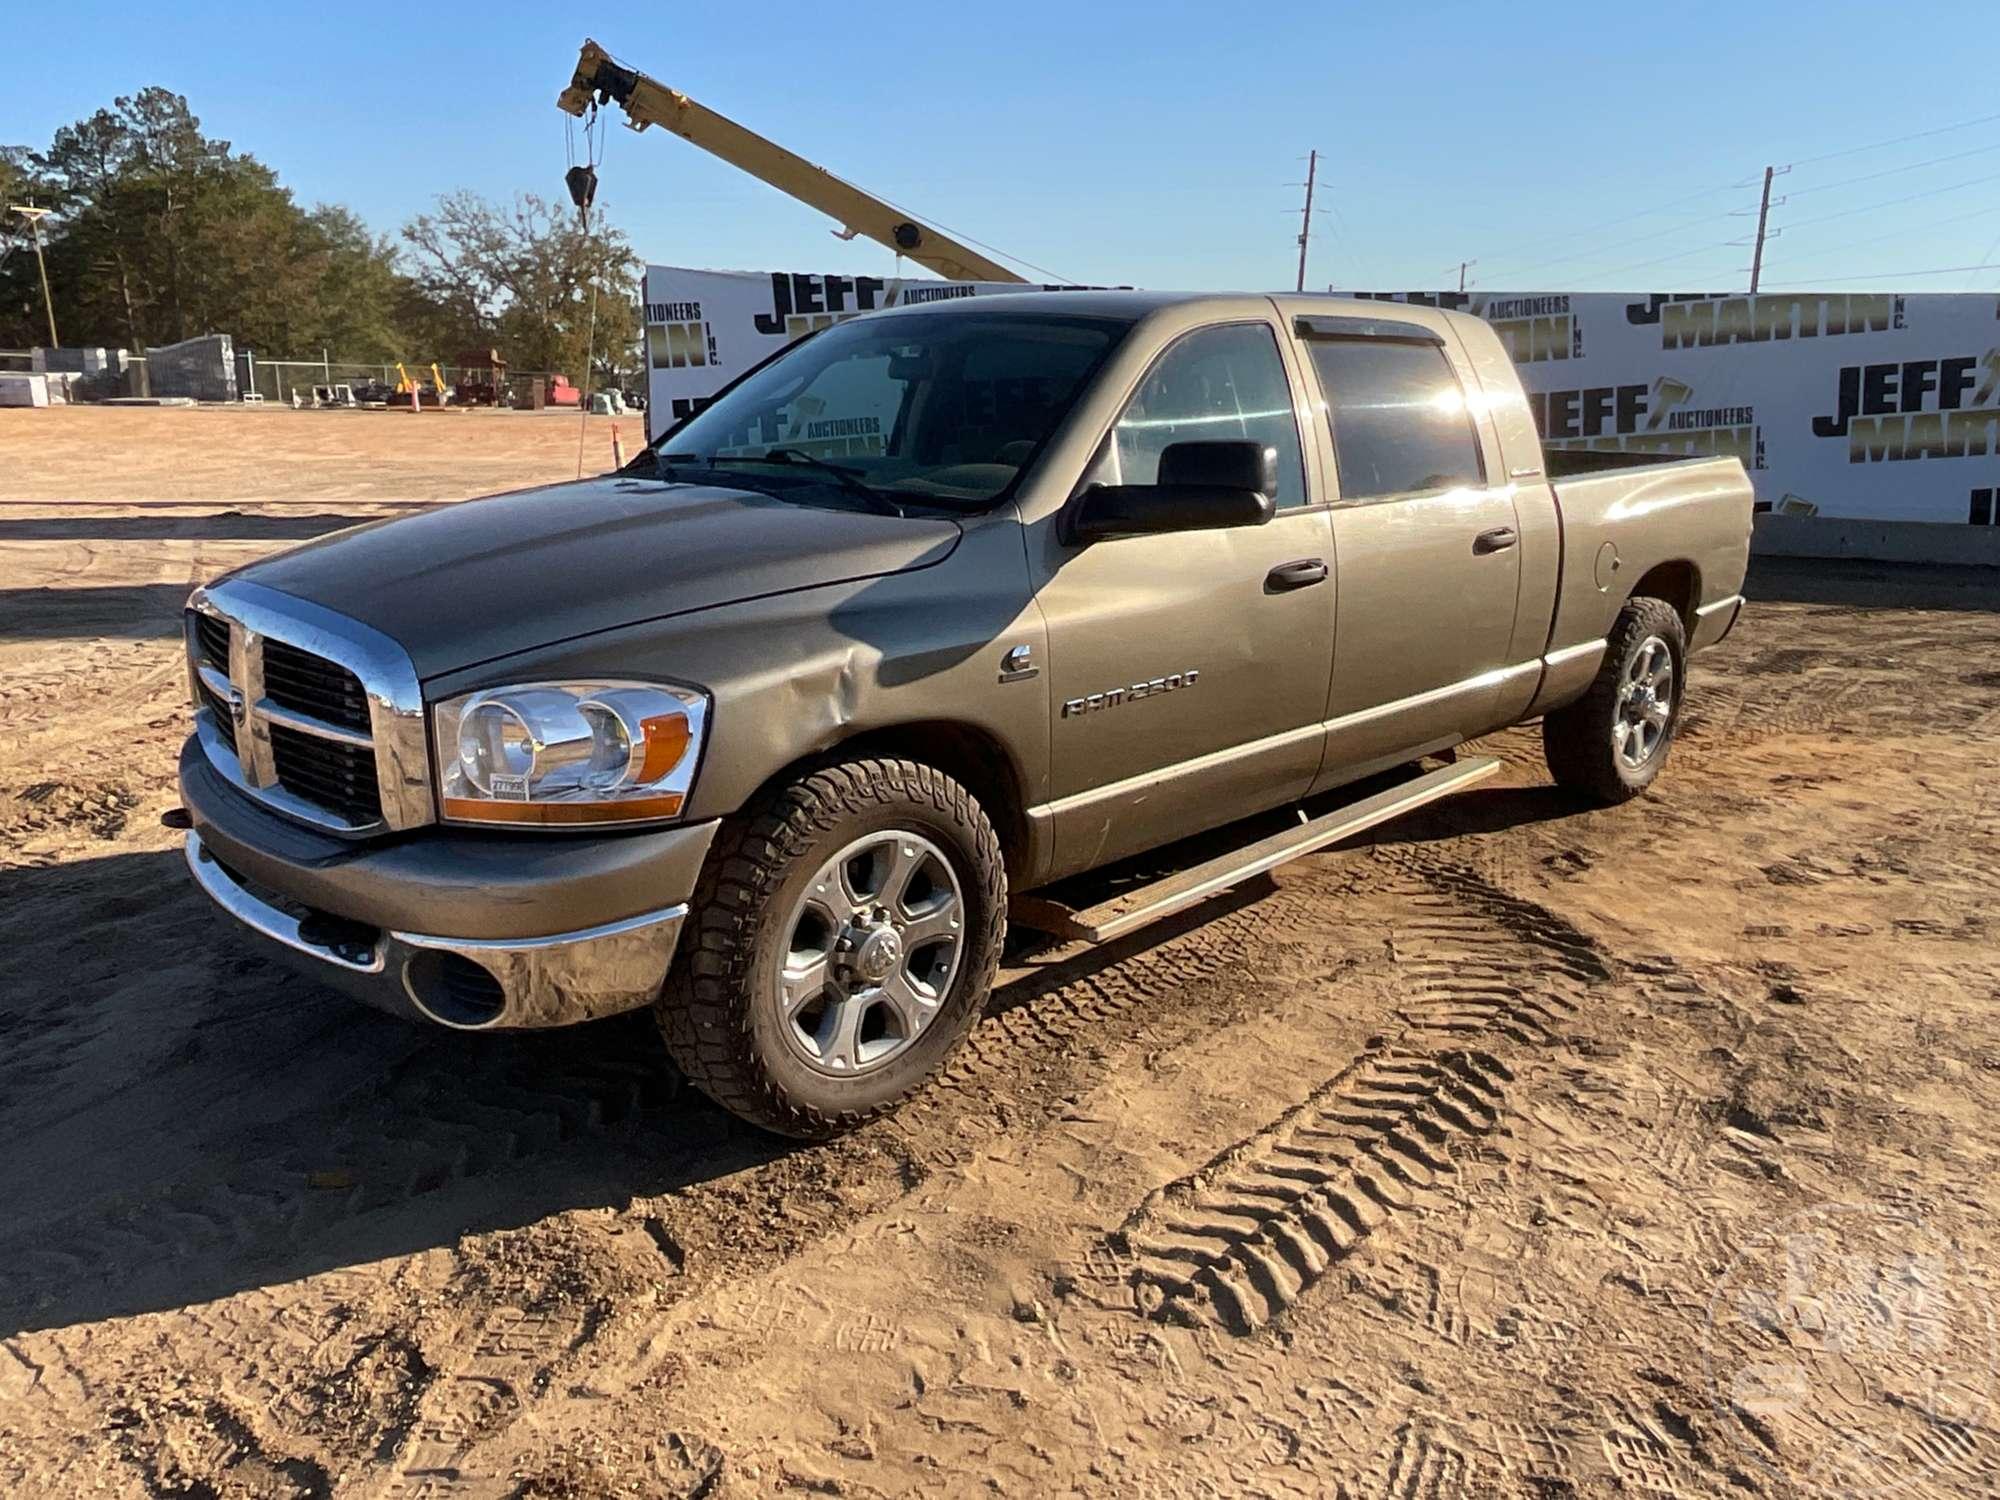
1613,741
844,937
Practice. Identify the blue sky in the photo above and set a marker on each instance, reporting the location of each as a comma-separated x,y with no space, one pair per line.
1561,145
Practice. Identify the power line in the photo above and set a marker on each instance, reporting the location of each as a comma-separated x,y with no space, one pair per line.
1511,253
1806,161
1914,166
1661,261
1893,275
1660,208
1904,234
1344,236
1640,239
1892,202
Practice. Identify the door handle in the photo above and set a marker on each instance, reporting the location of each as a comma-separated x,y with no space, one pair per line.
1499,539
1302,574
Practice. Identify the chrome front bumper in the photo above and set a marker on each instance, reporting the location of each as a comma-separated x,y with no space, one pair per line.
470,984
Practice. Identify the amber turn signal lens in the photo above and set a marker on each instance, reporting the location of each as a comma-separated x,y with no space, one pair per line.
667,737
558,814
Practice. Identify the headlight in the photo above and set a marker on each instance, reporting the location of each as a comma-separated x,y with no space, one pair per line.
569,752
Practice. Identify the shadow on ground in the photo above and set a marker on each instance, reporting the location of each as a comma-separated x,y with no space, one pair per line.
231,526
184,1119
137,611
1855,584
1481,810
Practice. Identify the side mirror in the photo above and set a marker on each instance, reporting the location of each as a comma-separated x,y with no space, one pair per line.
1204,486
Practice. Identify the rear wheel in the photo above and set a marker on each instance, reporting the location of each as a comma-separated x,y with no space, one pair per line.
1614,740
845,935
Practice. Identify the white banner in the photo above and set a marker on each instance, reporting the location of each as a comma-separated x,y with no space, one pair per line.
1864,405
1878,406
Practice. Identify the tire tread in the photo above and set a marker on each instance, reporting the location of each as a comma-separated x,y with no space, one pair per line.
702,1013
1575,738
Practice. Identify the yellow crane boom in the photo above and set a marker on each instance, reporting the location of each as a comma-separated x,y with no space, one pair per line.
649,102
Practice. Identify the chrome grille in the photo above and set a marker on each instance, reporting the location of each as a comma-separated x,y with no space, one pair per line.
225,720
312,713
313,685
333,774
212,641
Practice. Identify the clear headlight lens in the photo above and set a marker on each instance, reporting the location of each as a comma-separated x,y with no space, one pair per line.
569,752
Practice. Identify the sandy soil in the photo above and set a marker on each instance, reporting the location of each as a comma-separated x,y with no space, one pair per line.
138,453
1522,1150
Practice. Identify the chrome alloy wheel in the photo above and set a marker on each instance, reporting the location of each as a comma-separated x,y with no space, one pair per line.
872,948
1645,703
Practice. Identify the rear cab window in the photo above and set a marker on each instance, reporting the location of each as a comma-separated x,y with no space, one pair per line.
1401,422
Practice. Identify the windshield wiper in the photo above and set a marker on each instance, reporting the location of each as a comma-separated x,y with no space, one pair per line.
847,478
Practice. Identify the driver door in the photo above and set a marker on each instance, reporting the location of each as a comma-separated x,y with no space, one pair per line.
1189,671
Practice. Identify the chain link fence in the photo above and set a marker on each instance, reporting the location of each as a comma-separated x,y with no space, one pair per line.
278,380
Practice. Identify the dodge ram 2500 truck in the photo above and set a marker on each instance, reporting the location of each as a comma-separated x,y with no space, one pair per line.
933,609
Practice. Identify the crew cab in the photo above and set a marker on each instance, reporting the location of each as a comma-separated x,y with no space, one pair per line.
929,612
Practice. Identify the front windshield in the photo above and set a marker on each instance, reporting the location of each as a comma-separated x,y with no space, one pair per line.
941,408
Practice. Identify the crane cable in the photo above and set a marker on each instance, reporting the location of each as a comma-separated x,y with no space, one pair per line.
593,157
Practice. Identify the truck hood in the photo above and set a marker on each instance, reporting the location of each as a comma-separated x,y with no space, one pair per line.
470,582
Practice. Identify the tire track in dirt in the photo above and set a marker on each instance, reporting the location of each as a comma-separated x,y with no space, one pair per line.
1236,1243
1109,993
1421,1461
506,1370
1020,1060
451,1119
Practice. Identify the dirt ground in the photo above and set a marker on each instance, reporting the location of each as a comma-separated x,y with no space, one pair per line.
1520,1150
144,454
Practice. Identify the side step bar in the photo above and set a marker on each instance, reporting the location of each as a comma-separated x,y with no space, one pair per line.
1134,909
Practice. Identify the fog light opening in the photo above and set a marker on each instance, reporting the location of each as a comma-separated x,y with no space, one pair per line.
453,991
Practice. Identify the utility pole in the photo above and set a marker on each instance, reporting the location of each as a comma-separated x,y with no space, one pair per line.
1463,267
1763,218
1306,224
34,216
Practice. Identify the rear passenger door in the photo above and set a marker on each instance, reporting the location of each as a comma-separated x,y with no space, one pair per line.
1426,540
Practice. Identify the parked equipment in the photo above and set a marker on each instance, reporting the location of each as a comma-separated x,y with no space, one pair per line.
482,379
410,390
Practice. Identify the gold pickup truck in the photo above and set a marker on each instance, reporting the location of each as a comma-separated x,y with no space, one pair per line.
931,611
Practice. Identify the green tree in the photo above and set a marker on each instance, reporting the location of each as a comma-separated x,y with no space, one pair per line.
527,276
159,233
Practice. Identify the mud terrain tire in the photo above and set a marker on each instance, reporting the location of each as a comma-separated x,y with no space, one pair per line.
1583,741
723,1011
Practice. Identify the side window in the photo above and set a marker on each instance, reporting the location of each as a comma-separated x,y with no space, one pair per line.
1214,384
1400,423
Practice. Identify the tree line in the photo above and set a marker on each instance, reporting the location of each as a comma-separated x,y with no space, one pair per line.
158,232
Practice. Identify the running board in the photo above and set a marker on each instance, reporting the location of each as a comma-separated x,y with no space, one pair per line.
1134,909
